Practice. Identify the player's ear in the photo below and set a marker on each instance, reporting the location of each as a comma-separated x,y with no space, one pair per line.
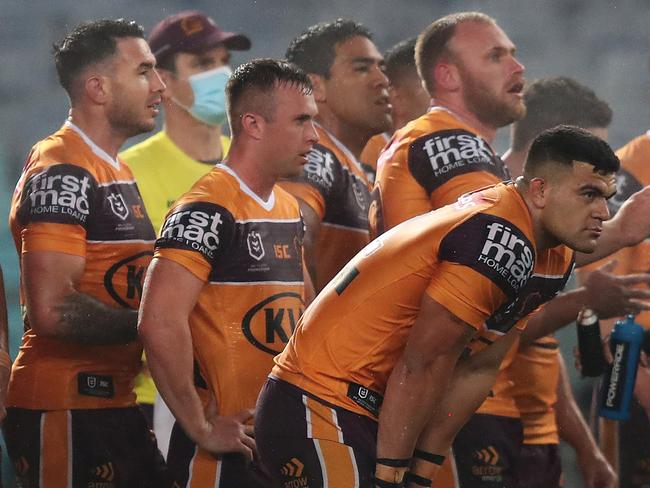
253,125
538,190
97,88
447,76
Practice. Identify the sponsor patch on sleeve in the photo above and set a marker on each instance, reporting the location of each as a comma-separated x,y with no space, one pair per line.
61,193
493,247
322,170
438,157
202,227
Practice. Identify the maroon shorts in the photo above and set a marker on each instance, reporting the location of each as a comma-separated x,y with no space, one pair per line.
306,442
539,466
107,447
191,467
486,451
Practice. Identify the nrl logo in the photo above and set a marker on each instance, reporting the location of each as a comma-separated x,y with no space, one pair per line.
255,246
118,205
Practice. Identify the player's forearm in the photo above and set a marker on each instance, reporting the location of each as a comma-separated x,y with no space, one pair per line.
572,427
168,348
411,397
557,313
83,319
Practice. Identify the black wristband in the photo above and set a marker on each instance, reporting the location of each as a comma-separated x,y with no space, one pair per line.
394,463
387,484
428,456
418,480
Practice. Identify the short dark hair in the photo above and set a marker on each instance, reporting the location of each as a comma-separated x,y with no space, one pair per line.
313,51
433,42
400,60
566,144
250,88
89,43
558,100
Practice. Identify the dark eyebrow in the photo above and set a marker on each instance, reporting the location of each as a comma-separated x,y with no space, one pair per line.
146,64
502,50
367,60
303,117
589,186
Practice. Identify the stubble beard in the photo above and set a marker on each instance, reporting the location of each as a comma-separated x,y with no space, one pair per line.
488,108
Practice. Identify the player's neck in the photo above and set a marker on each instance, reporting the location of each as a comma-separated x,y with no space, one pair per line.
352,137
98,129
248,166
543,240
459,110
199,141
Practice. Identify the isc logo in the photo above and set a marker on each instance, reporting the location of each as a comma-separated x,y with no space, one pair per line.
507,254
445,152
320,164
196,228
270,323
69,191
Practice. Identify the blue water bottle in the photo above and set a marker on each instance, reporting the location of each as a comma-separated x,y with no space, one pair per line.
618,382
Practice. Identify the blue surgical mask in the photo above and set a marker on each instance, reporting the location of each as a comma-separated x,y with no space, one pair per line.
209,90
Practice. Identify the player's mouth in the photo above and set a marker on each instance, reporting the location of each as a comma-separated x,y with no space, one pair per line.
517,88
384,103
154,106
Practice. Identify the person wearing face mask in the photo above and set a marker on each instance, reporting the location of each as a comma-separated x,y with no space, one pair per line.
192,55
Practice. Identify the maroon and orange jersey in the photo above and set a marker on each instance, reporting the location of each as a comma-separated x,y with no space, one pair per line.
335,186
429,163
371,152
535,373
73,198
249,254
477,258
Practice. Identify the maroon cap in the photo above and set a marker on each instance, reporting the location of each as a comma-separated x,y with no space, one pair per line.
193,32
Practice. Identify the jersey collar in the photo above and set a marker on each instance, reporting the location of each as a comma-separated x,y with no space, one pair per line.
94,147
266,205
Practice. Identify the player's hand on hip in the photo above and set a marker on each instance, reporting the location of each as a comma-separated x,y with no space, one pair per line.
229,434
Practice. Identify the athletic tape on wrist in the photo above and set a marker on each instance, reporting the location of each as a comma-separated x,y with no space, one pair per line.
430,457
418,480
379,483
394,463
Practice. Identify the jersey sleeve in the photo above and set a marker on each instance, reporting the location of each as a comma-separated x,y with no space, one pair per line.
55,209
196,235
437,160
486,263
318,185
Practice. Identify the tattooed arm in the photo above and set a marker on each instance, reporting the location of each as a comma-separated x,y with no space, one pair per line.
56,309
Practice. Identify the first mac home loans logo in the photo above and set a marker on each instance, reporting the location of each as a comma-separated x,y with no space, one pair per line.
507,254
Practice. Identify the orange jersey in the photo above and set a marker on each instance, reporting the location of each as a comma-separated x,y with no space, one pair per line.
500,400
371,152
335,186
249,253
632,177
73,198
429,163
536,372
476,258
